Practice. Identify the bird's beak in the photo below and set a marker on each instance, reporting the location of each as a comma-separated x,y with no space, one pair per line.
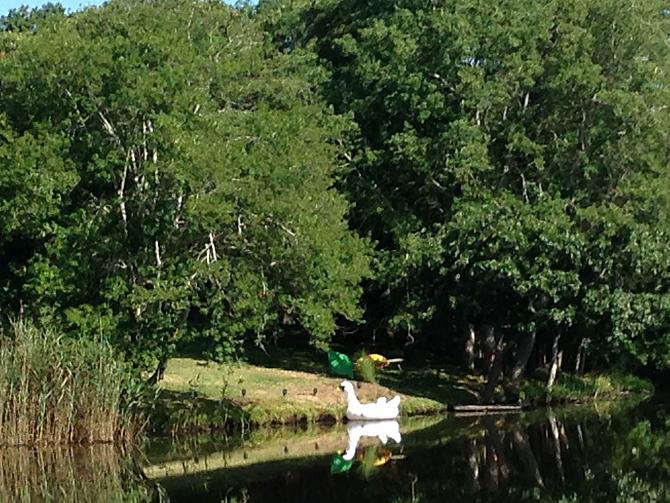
341,388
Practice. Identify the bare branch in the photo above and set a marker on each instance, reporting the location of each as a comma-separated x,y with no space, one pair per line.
213,247
122,201
108,127
158,253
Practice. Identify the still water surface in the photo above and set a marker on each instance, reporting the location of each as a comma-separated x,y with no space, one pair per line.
578,454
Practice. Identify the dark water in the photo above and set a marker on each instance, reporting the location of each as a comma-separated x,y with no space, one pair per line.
584,454
572,455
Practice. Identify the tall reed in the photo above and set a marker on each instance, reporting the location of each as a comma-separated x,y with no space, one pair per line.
60,390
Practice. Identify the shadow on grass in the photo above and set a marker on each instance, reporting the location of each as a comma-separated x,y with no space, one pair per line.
302,359
449,387
446,385
188,412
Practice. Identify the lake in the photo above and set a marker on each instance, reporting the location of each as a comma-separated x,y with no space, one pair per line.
608,453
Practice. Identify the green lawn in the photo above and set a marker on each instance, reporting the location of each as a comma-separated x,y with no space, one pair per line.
196,394
290,387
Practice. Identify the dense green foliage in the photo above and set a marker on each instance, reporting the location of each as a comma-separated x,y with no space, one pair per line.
511,164
166,175
185,170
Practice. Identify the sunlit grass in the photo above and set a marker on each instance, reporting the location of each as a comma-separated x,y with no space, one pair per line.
262,395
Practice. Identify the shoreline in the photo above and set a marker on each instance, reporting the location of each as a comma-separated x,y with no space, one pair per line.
252,397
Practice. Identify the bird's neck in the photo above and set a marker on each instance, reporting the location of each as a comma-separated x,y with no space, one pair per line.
352,398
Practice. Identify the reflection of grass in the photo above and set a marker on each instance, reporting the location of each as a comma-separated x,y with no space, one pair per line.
264,445
94,474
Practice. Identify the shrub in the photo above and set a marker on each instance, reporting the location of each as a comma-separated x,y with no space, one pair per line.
366,368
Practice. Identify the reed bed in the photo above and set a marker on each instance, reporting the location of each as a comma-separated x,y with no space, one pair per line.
60,390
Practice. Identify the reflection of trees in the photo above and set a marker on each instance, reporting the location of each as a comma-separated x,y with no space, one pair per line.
93,474
622,458
592,458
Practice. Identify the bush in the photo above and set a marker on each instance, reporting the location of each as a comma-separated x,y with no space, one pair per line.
366,368
59,390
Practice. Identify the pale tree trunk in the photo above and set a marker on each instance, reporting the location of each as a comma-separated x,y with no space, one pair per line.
556,358
525,346
470,347
581,358
488,336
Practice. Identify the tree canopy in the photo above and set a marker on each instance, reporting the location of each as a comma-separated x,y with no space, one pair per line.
511,165
167,175
178,170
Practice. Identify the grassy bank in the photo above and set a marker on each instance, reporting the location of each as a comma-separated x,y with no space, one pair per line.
56,390
587,388
197,395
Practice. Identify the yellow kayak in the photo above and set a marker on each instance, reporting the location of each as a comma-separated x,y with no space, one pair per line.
380,361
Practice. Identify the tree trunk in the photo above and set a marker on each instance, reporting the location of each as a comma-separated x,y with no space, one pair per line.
581,357
525,348
488,335
470,347
160,370
556,357
495,370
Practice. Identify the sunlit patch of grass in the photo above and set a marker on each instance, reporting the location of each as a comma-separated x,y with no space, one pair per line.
244,395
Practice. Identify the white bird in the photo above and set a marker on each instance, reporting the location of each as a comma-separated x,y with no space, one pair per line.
383,430
381,409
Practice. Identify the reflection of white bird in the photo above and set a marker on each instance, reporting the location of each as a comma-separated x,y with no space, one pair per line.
383,430
381,409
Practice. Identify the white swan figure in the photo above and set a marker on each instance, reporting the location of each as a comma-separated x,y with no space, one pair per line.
383,430
381,409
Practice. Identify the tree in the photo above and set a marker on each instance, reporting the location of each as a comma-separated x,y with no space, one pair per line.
511,164
182,184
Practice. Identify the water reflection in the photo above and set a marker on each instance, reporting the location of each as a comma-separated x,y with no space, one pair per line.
382,430
372,455
99,473
567,456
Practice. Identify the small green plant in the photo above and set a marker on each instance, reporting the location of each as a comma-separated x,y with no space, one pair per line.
366,368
